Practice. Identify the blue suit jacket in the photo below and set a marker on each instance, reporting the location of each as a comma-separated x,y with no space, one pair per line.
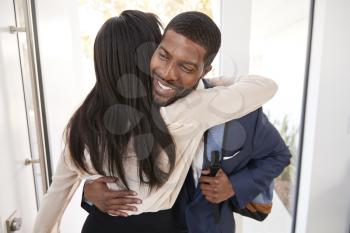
260,155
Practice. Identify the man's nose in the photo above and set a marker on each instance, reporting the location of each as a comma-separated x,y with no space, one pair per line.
170,72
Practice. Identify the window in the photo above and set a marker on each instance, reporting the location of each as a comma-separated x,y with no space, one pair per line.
278,49
93,13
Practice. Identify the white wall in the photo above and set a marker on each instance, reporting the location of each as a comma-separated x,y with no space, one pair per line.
324,203
235,27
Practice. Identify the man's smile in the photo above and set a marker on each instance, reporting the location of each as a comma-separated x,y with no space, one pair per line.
162,88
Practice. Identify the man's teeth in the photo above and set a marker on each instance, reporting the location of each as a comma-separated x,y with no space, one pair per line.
164,87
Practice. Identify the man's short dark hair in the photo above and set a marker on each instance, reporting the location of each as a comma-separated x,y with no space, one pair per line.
199,28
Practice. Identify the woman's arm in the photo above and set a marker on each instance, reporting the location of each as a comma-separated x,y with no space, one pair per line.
64,183
217,105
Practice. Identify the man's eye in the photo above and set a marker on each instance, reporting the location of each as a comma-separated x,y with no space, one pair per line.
162,56
186,69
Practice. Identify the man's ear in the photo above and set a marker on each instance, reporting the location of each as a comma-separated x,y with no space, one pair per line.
206,70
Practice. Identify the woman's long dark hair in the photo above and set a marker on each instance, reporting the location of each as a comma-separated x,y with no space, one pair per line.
120,106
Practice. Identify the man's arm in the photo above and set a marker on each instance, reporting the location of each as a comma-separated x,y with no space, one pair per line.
270,157
109,201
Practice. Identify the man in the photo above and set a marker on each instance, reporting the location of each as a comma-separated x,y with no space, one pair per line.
251,150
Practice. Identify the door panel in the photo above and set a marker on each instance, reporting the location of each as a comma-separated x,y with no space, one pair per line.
17,183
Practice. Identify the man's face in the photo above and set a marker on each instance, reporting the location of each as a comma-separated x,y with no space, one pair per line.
176,67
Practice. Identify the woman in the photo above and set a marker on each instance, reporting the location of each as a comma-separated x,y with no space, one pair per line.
119,132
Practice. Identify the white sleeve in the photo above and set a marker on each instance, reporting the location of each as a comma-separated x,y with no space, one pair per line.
64,183
217,105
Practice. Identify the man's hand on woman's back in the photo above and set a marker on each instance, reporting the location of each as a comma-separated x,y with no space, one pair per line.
109,201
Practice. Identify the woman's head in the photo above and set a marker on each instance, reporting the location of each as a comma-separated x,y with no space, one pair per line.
122,52
120,106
